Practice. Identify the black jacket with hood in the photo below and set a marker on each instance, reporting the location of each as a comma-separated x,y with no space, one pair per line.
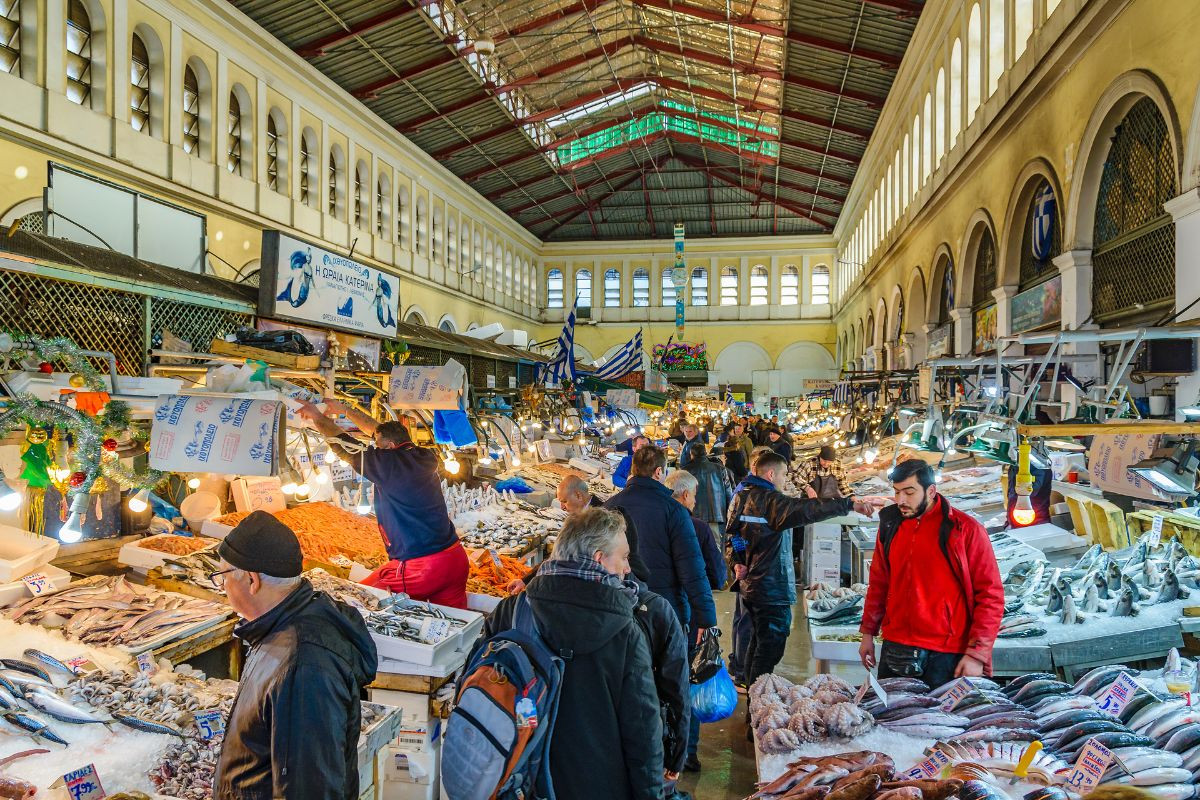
294,727
669,657
607,740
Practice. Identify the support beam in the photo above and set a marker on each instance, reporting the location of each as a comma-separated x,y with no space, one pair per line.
803,170
536,24
696,164
907,8
746,22
570,214
495,133
840,155
839,127
760,194
844,48
462,105
318,46
705,57
372,89
872,100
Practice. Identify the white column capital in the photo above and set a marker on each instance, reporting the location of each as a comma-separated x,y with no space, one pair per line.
1073,260
1004,293
1184,205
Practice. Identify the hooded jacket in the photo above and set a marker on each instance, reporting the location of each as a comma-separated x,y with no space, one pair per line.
607,740
294,727
759,537
669,657
975,581
715,490
669,549
714,559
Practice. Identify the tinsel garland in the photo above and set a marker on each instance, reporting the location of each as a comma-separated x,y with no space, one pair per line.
63,349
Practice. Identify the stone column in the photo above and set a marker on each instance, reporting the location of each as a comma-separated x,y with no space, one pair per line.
874,357
1185,210
963,336
906,347
1075,266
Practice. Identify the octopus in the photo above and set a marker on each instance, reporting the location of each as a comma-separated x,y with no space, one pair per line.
771,721
764,704
830,697
847,720
795,693
808,726
770,684
780,740
832,683
805,705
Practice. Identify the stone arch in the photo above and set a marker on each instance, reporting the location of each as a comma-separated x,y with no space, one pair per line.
916,308
964,282
415,315
33,205
943,262
1008,241
447,324
1110,109
157,77
738,361
801,361
881,323
583,354
860,341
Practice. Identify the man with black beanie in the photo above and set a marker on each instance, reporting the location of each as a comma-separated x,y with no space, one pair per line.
294,726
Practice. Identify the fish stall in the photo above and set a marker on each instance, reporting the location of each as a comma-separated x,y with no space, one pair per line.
1034,738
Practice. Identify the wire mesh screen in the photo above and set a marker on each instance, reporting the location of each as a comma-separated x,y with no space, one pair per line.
1134,239
197,325
504,371
985,271
425,356
1033,269
92,317
479,369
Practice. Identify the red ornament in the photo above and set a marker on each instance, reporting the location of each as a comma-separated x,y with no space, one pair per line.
109,445
76,480
45,367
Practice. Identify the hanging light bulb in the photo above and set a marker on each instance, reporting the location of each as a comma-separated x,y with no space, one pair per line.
194,484
289,481
303,491
71,531
450,464
362,507
140,501
582,439
321,478
1023,513
858,459
10,498
870,454
485,460
331,457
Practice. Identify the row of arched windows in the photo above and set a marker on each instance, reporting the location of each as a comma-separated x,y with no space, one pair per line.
728,294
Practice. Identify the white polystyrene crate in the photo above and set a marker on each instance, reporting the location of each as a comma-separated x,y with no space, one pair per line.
16,591
23,551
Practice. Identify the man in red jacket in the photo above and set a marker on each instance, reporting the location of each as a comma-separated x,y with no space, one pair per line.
935,587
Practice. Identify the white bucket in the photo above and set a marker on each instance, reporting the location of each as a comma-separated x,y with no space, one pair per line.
1158,405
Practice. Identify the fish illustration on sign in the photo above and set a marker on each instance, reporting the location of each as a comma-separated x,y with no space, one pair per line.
297,294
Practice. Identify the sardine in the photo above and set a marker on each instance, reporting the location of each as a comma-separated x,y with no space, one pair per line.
32,726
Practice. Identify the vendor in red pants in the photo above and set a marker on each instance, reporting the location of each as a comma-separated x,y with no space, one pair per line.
428,561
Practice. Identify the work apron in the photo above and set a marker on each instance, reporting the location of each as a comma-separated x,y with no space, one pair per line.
826,487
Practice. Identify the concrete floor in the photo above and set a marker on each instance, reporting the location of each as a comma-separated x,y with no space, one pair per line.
727,760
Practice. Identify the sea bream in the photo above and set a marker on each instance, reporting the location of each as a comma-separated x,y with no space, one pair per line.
1170,590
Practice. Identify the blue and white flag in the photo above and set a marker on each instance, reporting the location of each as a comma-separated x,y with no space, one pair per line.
1042,232
626,360
729,400
562,365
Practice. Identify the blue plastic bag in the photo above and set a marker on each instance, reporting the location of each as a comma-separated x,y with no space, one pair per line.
715,699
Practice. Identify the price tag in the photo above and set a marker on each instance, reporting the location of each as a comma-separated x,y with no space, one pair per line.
81,665
1156,531
145,663
496,560
434,630
931,767
211,724
82,784
37,583
1089,767
957,691
1118,695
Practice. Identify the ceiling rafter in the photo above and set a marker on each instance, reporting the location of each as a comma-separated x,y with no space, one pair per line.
821,43
778,181
746,23
808,147
825,87
320,45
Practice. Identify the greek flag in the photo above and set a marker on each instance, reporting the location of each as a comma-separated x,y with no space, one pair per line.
1042,233
626,360
562,366
729,395
841,393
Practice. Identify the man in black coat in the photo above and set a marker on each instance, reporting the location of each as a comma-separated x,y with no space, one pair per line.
761,519
294,726
714,489
607,742
667,541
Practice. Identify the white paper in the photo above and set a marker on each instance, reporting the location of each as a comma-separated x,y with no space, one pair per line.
1118,695
1156,531
960,689
215,434
622,398
436,388
1093,760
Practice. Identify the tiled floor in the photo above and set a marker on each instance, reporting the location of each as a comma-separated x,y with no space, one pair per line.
728,771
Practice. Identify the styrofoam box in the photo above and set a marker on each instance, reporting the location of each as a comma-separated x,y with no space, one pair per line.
21,552
47,387
429,654
214,530
16,591
402,765
414,706
483,603
826,650
143,559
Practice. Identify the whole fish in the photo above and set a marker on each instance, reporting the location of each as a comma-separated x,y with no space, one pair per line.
51,704
1024,718
1151,576
1101,585
1056,599
1070,615
9,701
1089,557
1170,590
1111,740
1140,700
931,788
1125,606
1024,632
1153,712
17,665
860,789
997,735
1037,690
1114,577
914,685
1091,600
934,717
1169,723
1068,739
1015,620
1156,776
50,662
149,726
1183,740
1054,725
1171,791
1139,592
1016,684
1055,704
32,726
926,731
1140,553
24,681
1098,678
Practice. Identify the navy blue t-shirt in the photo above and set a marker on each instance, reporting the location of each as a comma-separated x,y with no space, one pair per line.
408,501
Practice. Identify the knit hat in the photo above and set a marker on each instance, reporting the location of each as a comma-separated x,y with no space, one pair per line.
261,543
829,453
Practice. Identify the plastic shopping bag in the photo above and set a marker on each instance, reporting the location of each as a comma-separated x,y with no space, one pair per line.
715,699
706,657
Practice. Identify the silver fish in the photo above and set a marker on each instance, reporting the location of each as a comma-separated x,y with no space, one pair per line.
1142,720
1150,574
1168,723
1171,791
1114,577
1170,590
149,726
1125,606
927,731
24,681
1136,759
1091,599
1070,615
49,661
53,705
934,717
32,726
1156,776
1101,584
17,665
1056,599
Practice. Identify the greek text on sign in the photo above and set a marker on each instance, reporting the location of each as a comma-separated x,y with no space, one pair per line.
957,691
435,388
82,784
929,768
211,724
37,583
1156,531
1089,767
622,398
223,434
1117,696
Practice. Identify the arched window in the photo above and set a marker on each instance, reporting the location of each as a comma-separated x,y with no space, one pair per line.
916,155
729,286
668,286
477,256
905,185
612,288
191,111
308,168
583,288
234,128
789,286
956,84
820,285
509,286
337,170
139,82
946,300
361,178
985,271
641,288
1023,12
435,234
451,243
927,139
277,151
419,223
1133,240
446,326
464,252
974,63
939,116
554,288
383,195
402,216
700,286
997,29
79,53
1041,239
759,286
10,37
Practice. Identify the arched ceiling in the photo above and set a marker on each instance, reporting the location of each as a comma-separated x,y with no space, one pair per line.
615,119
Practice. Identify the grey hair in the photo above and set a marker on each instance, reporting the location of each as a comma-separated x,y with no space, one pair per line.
681,482
586,533
271,580
574,484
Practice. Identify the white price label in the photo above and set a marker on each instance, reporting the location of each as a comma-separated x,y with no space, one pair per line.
1156,531
81,665
37,583
145,663
1118,695
82,784
1093,761
957,691
434,630
211,724
929,768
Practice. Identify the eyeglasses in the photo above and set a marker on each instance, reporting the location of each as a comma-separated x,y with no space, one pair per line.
216,577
